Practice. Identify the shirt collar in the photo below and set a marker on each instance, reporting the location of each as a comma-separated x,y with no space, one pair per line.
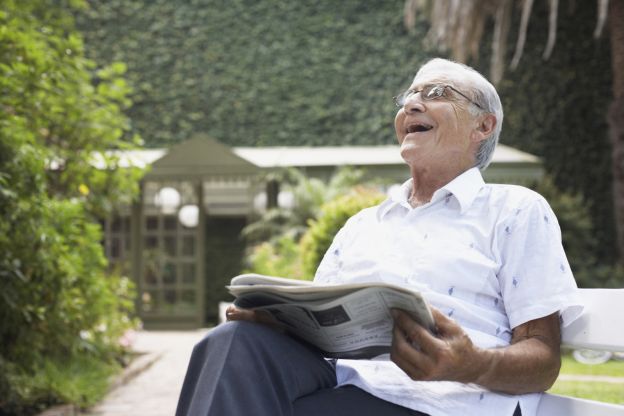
397,195
464,188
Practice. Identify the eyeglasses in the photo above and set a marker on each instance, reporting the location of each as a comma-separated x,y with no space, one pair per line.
430,92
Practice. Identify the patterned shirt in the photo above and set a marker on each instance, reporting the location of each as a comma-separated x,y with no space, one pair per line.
489,256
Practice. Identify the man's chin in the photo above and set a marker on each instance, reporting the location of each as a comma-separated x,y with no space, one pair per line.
411,151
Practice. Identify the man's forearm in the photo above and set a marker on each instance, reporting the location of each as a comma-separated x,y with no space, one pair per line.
529,365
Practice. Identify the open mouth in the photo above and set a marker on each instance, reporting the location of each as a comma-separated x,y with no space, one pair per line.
418,128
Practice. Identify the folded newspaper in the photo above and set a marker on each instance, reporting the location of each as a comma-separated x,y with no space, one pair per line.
343,321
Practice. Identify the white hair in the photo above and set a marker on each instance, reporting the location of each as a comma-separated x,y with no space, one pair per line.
480,90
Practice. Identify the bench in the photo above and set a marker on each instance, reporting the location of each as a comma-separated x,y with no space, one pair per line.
599,328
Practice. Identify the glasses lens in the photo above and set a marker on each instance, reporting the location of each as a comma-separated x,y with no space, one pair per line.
401,99
431,92
428,92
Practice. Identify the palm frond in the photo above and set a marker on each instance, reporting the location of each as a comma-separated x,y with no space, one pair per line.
527,6
552,28
458,25
499,41
603,8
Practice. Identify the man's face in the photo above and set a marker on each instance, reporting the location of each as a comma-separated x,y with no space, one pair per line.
436,133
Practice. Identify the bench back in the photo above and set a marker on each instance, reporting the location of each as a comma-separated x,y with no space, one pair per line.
601,327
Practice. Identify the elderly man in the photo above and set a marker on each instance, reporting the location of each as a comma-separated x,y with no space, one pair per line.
487,257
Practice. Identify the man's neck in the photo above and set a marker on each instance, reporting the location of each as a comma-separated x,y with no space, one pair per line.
426,181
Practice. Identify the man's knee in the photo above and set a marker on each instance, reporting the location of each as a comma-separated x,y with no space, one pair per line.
235,333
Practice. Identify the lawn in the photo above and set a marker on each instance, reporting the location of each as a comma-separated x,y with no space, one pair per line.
594,390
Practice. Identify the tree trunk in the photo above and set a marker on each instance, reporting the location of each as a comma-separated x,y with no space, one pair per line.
616,116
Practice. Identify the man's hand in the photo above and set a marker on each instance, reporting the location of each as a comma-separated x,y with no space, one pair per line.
423,356
232,313
530,364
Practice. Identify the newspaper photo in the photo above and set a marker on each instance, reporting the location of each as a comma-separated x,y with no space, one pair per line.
343,321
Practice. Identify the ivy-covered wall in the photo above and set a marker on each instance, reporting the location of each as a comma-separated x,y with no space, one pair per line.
258,72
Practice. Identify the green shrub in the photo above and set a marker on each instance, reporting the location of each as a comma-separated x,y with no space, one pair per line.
284,256
80,379
601,276
334,214
309,194
58,306
59,310
280,257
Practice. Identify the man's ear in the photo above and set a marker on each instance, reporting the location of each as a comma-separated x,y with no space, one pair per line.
485,127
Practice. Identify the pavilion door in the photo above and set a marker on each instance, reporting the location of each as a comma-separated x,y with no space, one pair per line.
224,251
169,285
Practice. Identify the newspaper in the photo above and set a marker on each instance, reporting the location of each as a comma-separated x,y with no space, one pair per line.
342,321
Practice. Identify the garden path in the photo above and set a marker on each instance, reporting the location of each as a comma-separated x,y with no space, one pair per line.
155,390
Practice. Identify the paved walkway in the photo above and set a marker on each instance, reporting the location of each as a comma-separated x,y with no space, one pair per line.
154,390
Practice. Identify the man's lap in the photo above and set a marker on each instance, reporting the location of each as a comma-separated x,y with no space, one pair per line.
256,355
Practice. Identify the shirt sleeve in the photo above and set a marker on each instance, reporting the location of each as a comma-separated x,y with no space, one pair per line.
535,276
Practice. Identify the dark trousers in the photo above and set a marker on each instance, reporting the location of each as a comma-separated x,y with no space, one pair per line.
242,368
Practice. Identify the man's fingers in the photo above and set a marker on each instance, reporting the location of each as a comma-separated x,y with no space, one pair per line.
407,357
445,325
232,313
418,334
424,356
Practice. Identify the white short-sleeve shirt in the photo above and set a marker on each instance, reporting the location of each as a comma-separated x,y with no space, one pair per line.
489,256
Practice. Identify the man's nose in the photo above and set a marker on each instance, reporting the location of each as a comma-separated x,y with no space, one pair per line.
414,105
